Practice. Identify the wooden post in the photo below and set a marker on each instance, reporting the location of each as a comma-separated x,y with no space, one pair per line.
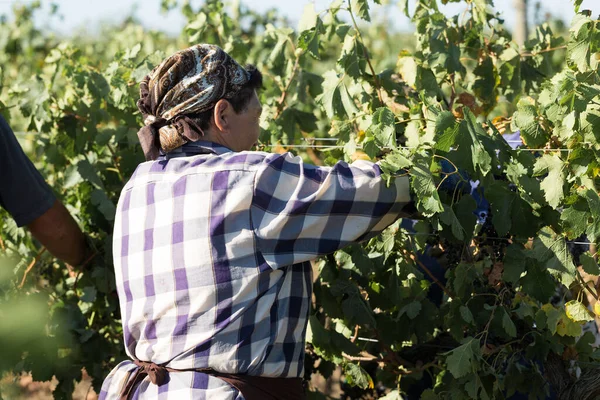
521,28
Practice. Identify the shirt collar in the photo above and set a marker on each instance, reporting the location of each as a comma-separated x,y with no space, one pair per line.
195,148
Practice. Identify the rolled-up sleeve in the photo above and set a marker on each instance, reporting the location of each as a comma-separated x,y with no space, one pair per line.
23,191
301,211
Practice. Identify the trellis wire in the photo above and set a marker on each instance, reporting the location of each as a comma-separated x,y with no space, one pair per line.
323,146
327,147
496,238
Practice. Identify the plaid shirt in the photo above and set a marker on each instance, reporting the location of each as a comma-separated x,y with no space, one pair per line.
211,252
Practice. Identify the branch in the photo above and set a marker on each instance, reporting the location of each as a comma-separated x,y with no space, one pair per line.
534,53
281,101
377,84
585,286
30,267
116,161
366,358
428,272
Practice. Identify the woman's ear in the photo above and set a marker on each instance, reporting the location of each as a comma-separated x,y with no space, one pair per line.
221,115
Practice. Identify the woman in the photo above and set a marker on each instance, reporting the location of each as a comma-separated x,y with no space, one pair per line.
212,241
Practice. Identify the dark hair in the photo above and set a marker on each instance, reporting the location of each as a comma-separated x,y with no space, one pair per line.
239,102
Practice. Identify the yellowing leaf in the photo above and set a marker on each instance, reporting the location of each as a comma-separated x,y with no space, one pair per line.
578,312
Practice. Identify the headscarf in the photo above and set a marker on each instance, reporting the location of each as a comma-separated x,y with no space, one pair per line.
190,81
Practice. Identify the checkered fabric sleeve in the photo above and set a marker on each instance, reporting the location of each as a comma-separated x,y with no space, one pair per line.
301,211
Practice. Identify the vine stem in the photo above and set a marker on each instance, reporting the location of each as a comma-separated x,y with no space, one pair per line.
356,329
428,272
31,265
116,161
284,94
586,287
543,51
377,84
366,358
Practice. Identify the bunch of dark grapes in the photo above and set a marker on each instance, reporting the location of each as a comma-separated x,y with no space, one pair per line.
489,241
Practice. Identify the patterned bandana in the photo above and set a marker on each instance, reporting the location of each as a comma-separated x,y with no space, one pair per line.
190,81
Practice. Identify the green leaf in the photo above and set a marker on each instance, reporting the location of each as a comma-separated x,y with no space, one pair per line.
508,324
88,172
348,102
466,315
589,264
357,310
593,200
501,199
526,119
429,395
463,360
383,127
449,218
330,99
357,376
394,162
577,4
404,7
89,294
578,312
412,310
447,128
352,59
105,206
360,8
575,220
471,143
428,200
393,395
552,249
309,18
538,284
514,263
309,40
578,48
553,183
465,212
485,85
408,69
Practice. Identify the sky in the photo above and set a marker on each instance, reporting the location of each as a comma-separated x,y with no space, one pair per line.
87,14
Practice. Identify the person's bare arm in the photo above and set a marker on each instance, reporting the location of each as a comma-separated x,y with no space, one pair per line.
59,233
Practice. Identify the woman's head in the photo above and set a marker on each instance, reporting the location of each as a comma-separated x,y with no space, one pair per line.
196,91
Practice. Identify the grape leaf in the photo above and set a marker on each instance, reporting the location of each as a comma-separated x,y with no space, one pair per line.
330,99
553,183
446,126
428,200
514,263
479,154
578,312
538,284
393,395
589,264
361,9
309,18
357,376
508,324
575,220
552,249
383,127
309,40
464,359
526,119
